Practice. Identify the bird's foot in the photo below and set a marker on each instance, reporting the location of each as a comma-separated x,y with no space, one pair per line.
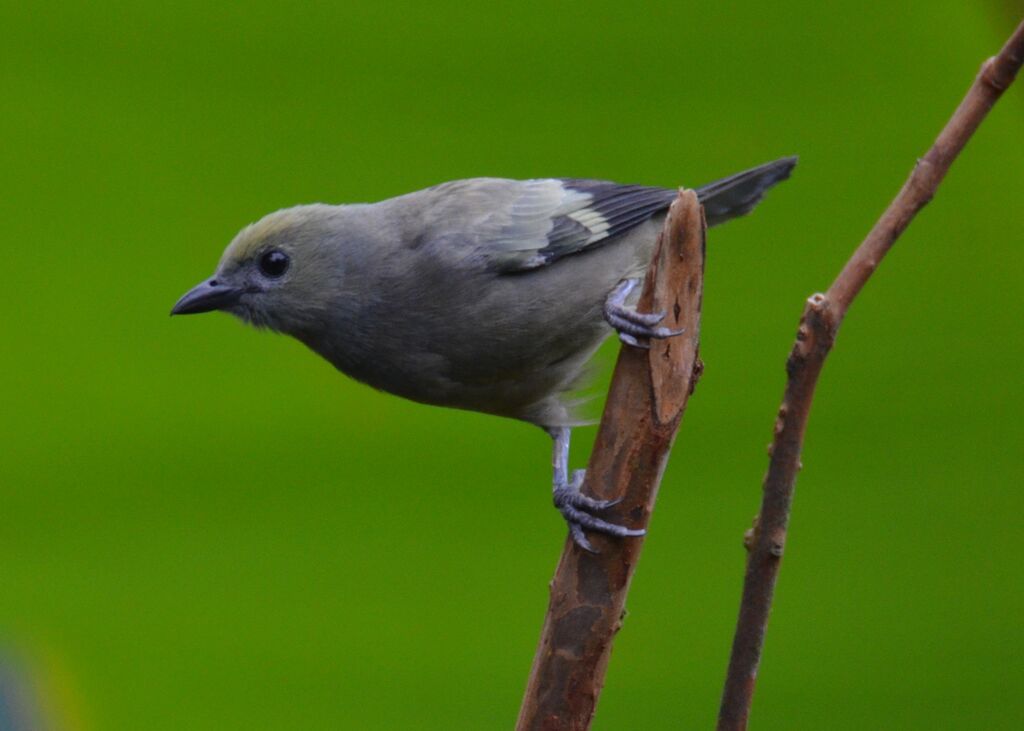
576,508
634,328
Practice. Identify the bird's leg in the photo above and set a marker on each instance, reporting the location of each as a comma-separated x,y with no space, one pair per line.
574,506
633,327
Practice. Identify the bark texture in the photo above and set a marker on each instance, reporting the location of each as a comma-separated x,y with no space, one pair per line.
645,404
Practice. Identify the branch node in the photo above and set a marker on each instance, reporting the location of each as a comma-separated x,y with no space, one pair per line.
987,75
750,535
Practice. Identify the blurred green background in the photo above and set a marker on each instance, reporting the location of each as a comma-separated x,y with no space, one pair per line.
205,527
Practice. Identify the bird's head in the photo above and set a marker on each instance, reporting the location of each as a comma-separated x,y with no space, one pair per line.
280,272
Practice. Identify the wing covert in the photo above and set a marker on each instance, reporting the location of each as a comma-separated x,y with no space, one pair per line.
554,218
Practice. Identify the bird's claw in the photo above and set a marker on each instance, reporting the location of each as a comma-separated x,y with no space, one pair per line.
576,508
630,340
633,327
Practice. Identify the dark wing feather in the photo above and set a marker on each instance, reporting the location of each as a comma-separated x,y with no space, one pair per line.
599,212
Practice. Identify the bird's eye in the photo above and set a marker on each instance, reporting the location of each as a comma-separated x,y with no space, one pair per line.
274,263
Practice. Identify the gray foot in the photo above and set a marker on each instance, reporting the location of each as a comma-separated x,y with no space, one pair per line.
633,327
576,508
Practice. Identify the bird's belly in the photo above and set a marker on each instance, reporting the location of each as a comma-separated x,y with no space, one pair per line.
496,344
510,369
505,378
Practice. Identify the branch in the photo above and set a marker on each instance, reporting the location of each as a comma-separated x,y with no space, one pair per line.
821,319
645,404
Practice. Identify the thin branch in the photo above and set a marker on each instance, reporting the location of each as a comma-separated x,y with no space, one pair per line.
821,319
645,404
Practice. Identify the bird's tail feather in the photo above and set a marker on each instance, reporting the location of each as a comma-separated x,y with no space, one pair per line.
737,194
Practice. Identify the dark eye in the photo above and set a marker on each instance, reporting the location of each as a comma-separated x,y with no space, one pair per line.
274,263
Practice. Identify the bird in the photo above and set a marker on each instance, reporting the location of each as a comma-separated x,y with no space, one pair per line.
486,294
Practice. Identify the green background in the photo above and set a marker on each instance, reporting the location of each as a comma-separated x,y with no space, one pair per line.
205,527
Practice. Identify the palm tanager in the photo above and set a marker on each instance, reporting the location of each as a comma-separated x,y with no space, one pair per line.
484,294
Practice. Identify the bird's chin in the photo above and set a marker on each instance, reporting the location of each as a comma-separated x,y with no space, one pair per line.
250,315
263,315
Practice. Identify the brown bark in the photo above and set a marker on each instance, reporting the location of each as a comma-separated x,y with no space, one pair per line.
645,404
821,319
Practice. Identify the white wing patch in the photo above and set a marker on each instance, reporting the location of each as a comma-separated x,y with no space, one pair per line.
596,223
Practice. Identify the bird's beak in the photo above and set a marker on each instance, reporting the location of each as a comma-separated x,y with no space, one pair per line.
206,297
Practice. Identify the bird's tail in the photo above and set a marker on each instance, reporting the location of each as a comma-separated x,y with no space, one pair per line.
738,194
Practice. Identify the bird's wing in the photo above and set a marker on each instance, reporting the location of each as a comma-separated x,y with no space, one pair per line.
515,226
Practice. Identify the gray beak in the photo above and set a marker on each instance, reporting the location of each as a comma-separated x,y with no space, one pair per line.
206,297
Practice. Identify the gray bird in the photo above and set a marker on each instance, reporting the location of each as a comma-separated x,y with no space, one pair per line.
484,294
